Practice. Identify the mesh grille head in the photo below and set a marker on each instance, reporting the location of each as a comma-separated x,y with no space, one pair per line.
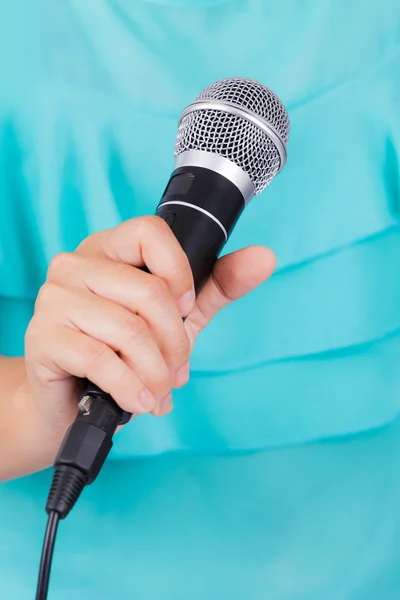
233,136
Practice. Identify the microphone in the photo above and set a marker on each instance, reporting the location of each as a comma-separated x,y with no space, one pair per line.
231,142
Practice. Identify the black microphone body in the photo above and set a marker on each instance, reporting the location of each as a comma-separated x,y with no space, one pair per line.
201,207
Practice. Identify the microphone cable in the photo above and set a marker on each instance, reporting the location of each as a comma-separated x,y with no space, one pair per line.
47,555
82,454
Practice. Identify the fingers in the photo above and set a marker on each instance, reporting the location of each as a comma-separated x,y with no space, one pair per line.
62,350
140,293
128,335
104,319
234,276
125,333
148,241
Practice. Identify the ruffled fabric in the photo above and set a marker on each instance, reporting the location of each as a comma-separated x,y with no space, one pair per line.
316,522
307,354
255,500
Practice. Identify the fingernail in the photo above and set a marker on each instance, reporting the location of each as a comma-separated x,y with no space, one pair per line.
186,302
147,399
182,376
166,404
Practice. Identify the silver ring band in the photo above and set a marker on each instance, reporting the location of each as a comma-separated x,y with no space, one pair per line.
218,164
202,210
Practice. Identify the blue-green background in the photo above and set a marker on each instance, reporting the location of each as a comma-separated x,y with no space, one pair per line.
277,474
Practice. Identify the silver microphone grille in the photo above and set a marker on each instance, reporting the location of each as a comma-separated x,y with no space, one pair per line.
241,120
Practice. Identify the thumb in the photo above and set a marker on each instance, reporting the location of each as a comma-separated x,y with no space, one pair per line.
234,275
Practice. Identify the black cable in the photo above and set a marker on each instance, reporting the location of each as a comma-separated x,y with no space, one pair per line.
47,555
80,458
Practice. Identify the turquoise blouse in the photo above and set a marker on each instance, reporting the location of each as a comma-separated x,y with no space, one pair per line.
276,476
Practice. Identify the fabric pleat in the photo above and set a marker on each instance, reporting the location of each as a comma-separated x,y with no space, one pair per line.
282,474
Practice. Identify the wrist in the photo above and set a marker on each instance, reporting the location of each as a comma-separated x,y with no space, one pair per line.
27,442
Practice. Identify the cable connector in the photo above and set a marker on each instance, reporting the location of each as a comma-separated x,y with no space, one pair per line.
82,454
65,490
83,451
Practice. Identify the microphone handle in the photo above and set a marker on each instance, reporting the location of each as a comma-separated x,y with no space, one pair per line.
201,207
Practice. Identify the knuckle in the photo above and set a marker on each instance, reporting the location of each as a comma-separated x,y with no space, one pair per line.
135,328
96,355
39,343
157,289
58,264
179,268
48,294
162,379
160,224
125,382
150,225
180,349
92,243
64,267
154,222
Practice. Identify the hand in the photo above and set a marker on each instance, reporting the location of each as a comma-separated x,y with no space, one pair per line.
98,316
